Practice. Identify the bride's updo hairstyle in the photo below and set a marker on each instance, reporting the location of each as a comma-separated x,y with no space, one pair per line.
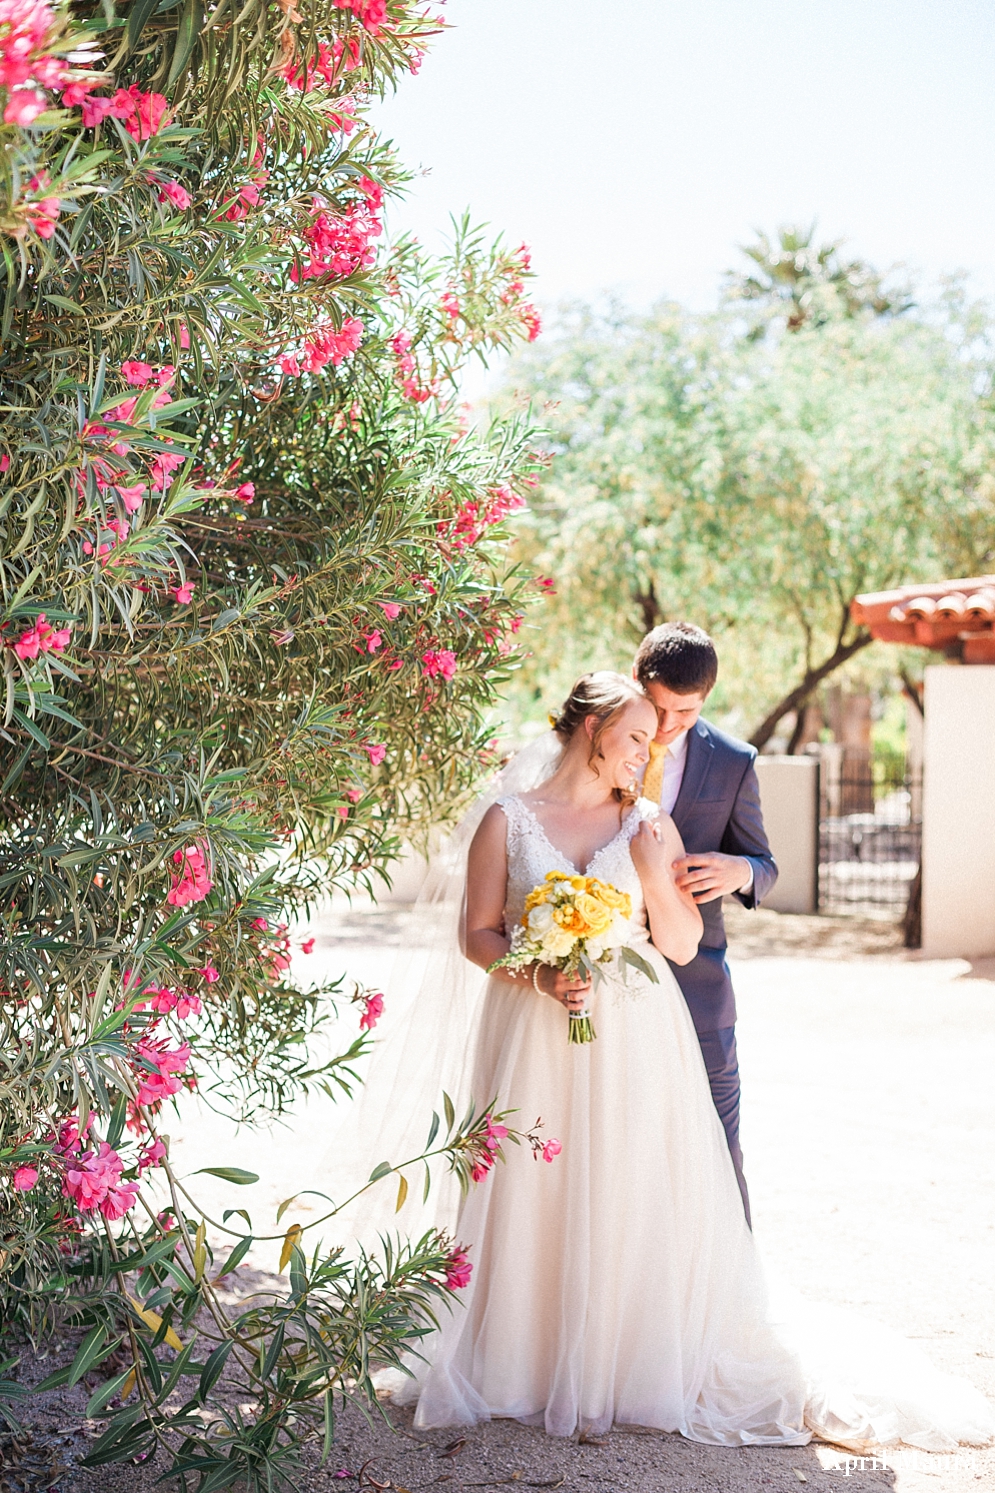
605,695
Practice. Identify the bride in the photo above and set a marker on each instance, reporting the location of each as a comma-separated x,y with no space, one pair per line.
622,1283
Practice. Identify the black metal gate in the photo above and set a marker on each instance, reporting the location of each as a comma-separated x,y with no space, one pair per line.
870,833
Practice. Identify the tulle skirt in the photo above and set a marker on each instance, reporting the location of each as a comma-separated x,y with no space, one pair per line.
620,1282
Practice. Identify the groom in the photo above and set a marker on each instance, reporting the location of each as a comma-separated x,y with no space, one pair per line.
707,782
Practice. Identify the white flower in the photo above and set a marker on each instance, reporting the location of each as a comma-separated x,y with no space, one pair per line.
618,933
557,943
540,919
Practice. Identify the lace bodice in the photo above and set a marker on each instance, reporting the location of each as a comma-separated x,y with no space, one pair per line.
531,855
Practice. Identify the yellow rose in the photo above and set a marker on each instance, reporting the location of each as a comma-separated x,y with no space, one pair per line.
558,876
594,913
612,897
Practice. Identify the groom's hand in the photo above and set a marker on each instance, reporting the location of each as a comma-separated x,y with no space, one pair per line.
708,874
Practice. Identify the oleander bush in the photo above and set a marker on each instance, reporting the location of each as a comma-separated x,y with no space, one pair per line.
255,606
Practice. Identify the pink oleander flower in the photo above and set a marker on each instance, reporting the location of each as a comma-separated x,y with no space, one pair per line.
376,751
136,373
210,973
372,191
246,492
187,1005
458,1268
176,193
184,593
260,925
152,1155
530,318
157,1079
193,882
119,1200
184,336
43,213
163,465
546,583
450,305
149,114
354,795
550,1149
307,947
91,1178
162,1000
371,14
4,463
41,638
372,1011
326,345
23,106
70,1136
338,244
24,1178
132,497
439,661
373,640
390,609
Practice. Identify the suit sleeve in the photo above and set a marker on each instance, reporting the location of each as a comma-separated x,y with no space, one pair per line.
745,835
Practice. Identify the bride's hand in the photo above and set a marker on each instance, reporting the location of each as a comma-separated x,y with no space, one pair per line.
570,990
649,854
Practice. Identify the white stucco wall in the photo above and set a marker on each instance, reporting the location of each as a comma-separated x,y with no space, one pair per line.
789,798
958,831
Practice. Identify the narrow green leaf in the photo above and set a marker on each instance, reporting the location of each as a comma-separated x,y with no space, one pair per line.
140,12
229,1174
380,1171
90,1349
191,22
237,1255
329,1416
115,1128
450,1112
213,1369
105,1392
433,1131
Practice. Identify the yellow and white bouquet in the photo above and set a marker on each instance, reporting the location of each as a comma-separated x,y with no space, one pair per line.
578,924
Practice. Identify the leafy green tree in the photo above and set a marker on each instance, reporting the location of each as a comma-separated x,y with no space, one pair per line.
256,603
754,486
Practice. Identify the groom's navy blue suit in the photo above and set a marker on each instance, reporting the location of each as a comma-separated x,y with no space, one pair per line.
718,808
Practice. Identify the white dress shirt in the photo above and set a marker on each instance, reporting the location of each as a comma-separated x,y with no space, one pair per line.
674,762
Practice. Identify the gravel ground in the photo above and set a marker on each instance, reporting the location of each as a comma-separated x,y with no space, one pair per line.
868,1112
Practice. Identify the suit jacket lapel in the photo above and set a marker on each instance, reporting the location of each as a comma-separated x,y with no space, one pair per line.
695,771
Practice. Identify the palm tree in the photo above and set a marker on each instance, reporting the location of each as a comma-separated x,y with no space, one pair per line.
793,274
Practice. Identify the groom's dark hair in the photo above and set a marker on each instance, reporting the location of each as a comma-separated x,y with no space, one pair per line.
679,656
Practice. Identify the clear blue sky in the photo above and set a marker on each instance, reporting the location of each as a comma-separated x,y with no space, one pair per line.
634,143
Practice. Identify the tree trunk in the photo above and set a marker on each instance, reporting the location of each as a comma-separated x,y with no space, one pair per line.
649,606
799,696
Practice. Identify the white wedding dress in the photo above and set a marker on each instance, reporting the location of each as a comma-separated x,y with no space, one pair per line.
620,1283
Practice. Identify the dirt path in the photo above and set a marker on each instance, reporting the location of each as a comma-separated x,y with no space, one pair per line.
868,1118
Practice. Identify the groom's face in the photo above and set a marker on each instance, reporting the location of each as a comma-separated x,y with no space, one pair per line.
674,713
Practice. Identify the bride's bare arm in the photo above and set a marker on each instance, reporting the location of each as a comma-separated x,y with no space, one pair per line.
675,922
484,937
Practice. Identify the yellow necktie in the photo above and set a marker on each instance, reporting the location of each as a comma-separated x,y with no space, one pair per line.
653,777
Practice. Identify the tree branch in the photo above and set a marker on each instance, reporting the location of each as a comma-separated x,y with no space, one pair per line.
811,680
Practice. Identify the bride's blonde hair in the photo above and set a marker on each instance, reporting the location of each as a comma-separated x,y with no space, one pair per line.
603,694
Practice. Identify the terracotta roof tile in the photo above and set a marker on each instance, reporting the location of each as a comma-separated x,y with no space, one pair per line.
957,617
